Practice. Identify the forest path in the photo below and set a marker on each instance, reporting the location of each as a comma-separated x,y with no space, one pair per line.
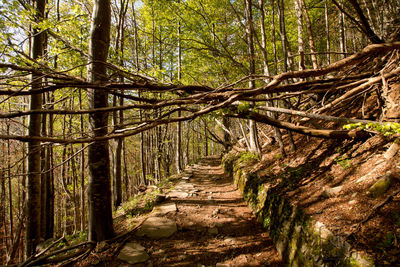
214,225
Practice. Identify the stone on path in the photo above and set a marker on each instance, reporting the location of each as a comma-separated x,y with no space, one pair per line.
157,227
182,190
331,191
164,208
133,253
178,194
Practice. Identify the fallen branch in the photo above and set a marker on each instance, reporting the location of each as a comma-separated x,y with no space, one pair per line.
315,116
322,133
45,258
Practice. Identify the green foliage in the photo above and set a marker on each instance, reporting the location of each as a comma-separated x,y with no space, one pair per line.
387,128
243,107
247,157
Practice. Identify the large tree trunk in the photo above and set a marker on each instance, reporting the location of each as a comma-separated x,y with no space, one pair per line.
33,187
99,190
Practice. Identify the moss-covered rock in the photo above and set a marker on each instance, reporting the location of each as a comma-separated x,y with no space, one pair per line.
380,186
299,240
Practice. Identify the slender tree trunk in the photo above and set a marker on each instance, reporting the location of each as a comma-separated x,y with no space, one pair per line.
274,38
205,139
299,15
282,29
365,24
178,156
342,32
43,177
99,191
82,193
328,38
135,39
310,35
118,115
10,191
254,143
32,237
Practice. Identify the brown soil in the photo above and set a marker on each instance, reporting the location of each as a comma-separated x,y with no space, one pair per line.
240,241
371,225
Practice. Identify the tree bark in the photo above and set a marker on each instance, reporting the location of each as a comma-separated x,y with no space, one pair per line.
364,22
99,188
328,38
34,167
254,143
299,16
310,35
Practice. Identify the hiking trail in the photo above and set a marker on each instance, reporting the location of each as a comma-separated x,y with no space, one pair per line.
204,221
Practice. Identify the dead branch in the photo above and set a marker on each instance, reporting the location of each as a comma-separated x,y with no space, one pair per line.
45,258
360,88
322,133
315,116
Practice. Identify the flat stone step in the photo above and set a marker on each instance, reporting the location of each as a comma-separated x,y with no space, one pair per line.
157,228
164,208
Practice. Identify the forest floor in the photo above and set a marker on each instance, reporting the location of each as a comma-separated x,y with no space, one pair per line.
214,227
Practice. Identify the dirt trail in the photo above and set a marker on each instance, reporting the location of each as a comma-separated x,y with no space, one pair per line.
215,227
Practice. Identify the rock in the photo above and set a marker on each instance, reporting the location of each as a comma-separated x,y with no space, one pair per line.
133,253
160,198
331,192
230,240
210,197
213,231
157,227
380,186
361,261
163,209
178,194
352,202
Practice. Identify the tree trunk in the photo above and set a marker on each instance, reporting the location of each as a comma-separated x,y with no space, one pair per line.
82,194
179,124
274,38
310,35
365,24
282,29
254,144
118,115
277,132
33,187
342,32
99,191
328,41
299,16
